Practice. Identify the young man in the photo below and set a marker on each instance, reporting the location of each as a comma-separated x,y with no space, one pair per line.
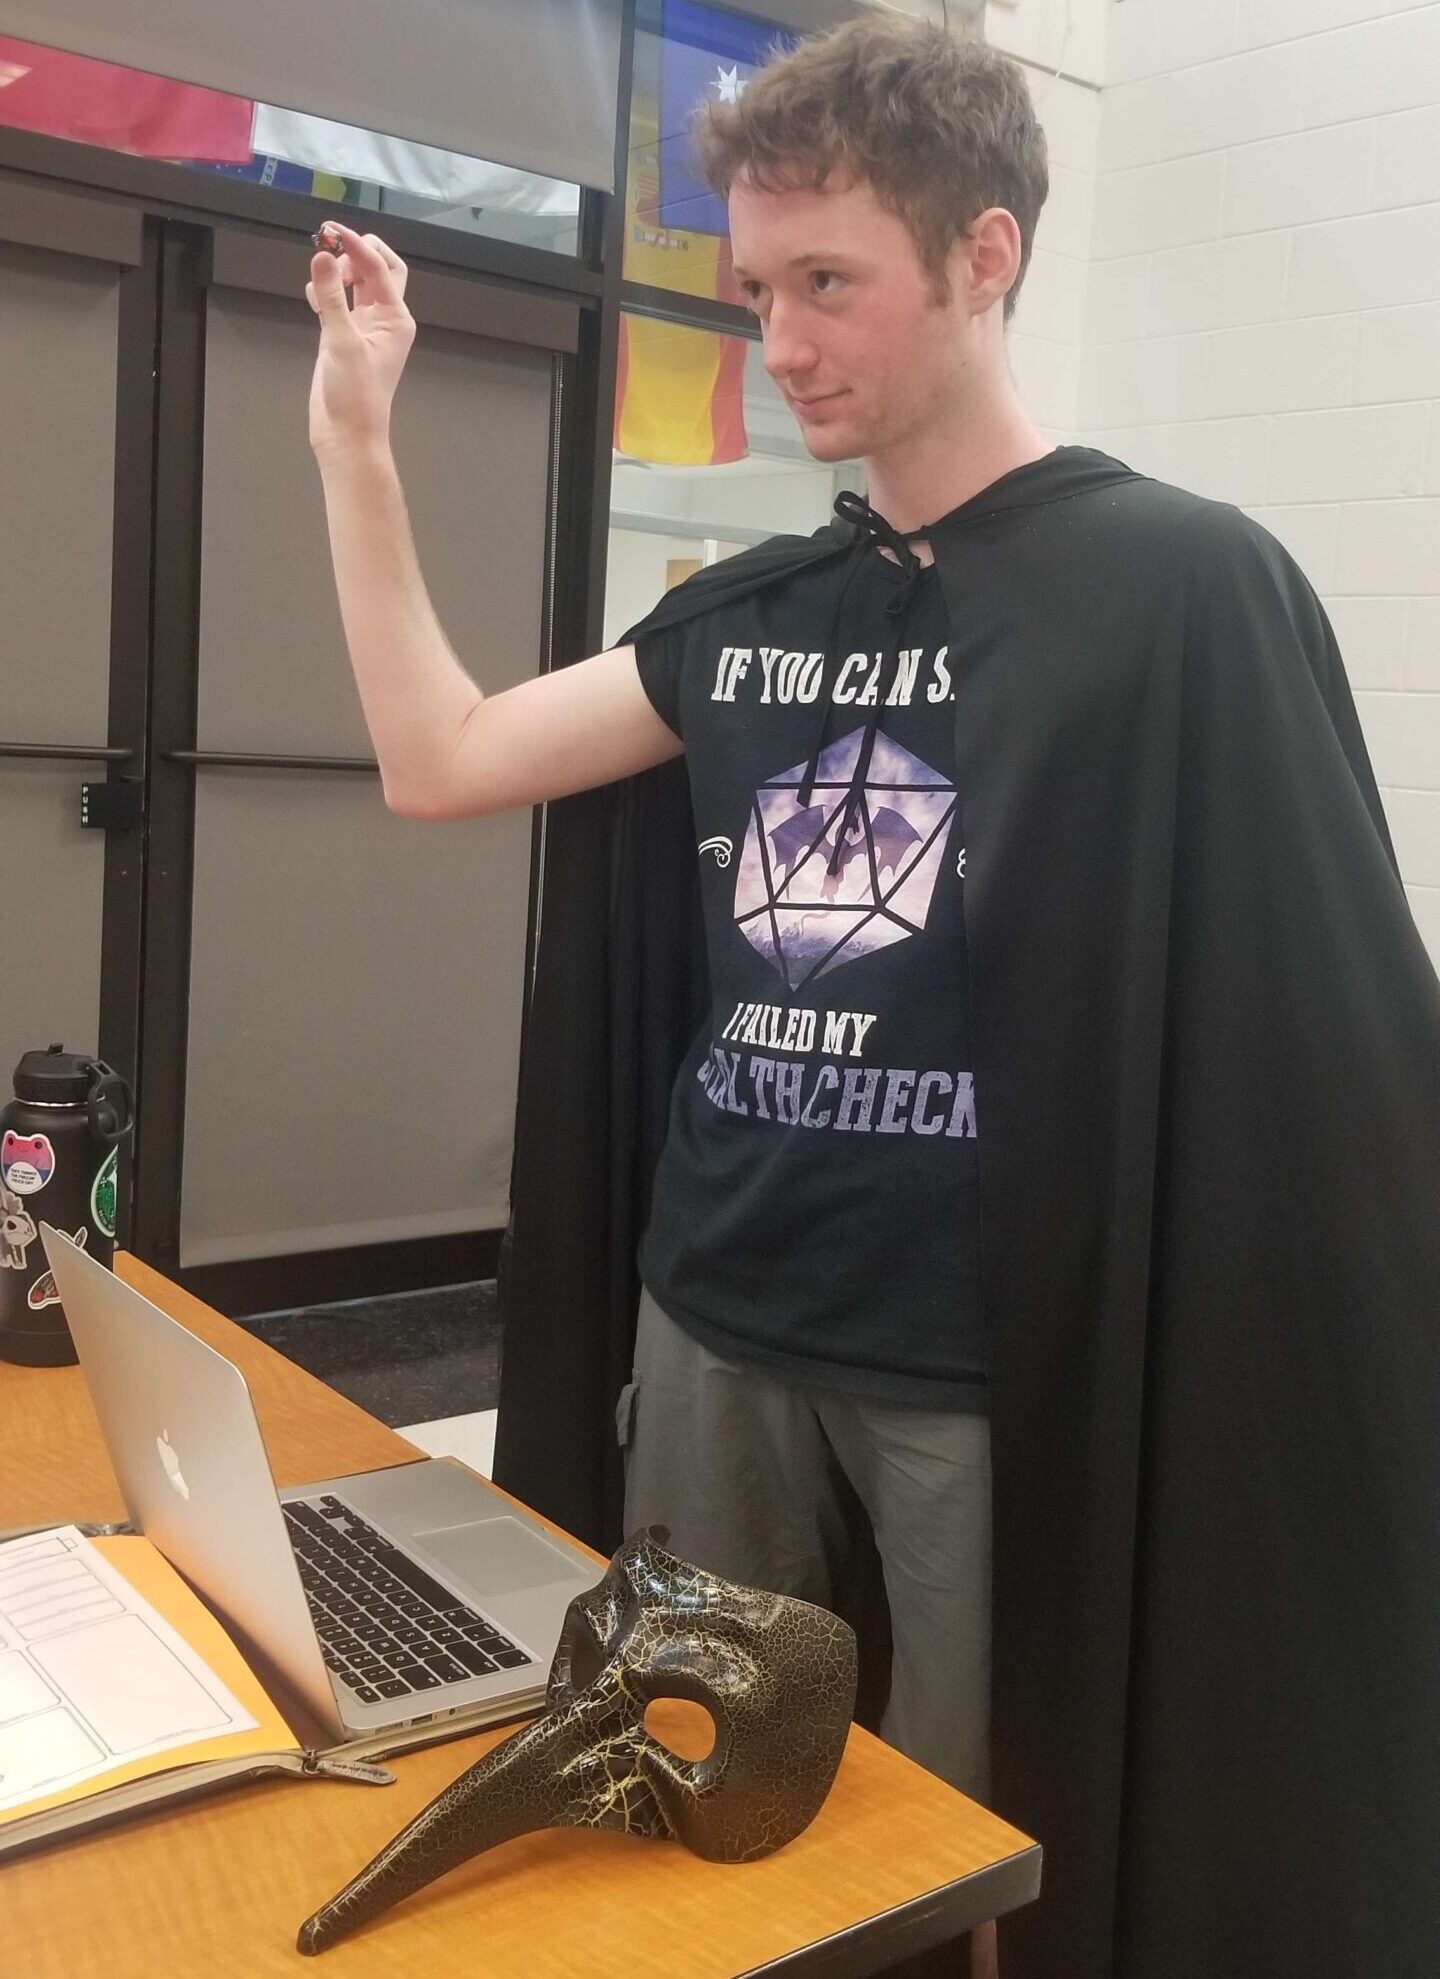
1057,969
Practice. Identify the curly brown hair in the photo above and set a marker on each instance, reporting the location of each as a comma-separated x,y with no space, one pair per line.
942,128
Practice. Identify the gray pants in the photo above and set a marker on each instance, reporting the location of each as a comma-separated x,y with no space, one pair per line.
757,1478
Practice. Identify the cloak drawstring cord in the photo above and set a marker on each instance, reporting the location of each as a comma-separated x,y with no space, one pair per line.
871,529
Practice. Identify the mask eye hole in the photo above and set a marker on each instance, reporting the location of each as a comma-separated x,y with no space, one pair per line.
682,1727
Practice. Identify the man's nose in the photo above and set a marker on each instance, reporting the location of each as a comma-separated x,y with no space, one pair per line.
789,349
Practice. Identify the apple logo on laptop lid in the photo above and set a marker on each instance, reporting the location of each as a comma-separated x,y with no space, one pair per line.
172,1464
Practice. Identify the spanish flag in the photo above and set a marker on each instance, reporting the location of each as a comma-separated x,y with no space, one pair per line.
679,392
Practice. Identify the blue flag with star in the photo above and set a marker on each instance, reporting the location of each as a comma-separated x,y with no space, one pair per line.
704,56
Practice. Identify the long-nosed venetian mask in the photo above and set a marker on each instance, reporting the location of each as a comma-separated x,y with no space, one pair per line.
776,1675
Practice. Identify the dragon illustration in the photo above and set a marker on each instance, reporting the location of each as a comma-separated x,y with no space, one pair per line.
806,832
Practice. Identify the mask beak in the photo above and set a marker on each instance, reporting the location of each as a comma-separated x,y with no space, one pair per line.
519,1786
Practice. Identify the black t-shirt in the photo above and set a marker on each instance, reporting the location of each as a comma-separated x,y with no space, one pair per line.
815,1208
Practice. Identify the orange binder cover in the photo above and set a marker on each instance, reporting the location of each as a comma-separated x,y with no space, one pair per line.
157,1582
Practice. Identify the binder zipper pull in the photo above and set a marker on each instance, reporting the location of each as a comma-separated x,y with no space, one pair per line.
320,1765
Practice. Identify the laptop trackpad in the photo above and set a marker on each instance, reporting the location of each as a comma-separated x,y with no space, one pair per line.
498,1556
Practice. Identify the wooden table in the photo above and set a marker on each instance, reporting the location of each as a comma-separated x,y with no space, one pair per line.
894,1863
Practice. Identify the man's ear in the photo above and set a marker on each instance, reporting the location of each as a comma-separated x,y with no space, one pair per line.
985,260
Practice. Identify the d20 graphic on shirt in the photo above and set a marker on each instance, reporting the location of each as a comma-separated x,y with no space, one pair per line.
806,918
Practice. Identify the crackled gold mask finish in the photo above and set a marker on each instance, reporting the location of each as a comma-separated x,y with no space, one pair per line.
777,1675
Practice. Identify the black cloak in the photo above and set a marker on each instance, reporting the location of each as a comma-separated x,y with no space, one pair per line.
1206,1048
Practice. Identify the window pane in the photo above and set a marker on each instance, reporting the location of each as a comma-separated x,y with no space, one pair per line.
57,94
708,460
675,229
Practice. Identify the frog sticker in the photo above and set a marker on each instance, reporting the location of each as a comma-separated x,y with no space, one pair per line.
26,1165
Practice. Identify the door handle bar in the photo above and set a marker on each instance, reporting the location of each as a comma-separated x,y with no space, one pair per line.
63,752
228,759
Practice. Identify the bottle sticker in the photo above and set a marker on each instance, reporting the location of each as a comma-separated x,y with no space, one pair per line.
42,1292
102,1194
26,1166
17,1231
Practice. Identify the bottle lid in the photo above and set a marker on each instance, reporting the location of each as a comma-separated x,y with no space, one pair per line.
56,1077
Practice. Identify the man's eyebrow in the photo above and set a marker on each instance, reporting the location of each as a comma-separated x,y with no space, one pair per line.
825,258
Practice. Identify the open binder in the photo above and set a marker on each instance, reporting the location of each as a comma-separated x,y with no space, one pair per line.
280,1742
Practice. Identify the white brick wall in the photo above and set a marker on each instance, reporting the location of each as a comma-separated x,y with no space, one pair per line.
1048,330
1260,319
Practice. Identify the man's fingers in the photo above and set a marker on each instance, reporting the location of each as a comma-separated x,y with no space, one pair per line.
325,291
397,268
377,272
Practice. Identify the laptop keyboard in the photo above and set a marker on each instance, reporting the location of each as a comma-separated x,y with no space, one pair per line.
386,1629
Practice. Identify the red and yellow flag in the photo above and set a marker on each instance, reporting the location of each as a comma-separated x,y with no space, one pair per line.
62,95
679,395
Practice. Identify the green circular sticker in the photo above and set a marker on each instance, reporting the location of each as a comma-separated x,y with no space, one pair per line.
102,1194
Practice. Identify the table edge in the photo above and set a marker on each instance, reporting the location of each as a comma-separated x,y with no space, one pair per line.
938,1917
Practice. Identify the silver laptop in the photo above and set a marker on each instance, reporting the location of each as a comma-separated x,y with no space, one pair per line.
387,1599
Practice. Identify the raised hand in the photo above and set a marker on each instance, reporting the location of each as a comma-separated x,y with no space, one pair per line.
364,340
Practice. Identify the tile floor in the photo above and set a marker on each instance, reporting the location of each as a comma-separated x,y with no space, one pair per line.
470,1438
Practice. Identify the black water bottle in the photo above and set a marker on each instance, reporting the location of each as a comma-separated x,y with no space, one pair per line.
62,1162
